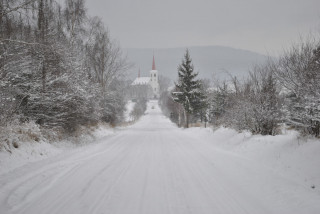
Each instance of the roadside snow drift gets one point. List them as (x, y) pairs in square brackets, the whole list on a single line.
[(154, 167)]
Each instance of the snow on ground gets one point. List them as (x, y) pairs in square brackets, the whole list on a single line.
[(155, 167), (287, 154), (27, 152), (30, 151), (129, 109)]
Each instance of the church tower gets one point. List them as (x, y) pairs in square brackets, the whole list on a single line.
[(154, 80)]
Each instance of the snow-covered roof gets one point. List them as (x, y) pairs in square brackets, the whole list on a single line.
[(141, 81)]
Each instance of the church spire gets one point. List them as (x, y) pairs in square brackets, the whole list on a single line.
[(153, 64), (139, 72)]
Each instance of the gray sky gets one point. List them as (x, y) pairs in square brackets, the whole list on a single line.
[(264, 26)]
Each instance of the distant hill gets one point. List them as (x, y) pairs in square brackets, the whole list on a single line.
[(207, 60)]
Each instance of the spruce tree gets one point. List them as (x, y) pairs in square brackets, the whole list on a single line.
[(188, 90)]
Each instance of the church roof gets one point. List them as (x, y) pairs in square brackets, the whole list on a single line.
[(141, 81)]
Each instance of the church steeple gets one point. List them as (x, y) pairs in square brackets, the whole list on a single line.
[(153, 64), (139, 73)]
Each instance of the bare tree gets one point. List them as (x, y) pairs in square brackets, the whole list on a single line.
[(75, 16), (105, 56)]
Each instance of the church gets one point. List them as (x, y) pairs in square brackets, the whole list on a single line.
[(146, 87)]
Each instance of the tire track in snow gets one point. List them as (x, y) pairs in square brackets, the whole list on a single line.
[(104, 200), (34, 184)]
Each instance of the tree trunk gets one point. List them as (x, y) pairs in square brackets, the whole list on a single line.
[(44, 74), (179, 117), (187, 119)]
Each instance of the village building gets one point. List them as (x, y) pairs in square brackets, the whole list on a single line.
[(146, 87)]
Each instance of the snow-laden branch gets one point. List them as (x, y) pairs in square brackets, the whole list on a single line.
[(10, 10), (21, 42)]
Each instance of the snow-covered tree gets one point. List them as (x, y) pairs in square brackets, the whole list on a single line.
[(218, 102), (265, 100), (299, 73), (105, 66), (45, 72), (188, 89), (252, 105)]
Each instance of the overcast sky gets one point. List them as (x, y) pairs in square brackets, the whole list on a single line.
[(264, 26)]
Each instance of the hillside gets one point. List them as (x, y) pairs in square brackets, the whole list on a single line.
[(207, 60)]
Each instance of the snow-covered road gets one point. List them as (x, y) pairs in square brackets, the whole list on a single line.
[(153, 167)]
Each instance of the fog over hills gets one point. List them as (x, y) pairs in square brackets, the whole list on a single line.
[(207, 60)]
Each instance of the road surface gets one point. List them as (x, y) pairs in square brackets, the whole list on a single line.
[(152, 167)]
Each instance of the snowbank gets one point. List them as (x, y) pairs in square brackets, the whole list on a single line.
[(26, 144), (288, 154)]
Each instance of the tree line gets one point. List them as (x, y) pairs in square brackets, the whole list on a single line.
[(282, 92), (59, 67)]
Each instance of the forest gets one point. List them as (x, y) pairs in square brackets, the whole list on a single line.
[(59, 67), (282, 93)]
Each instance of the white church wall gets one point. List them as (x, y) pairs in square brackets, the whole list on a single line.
[(147, 87)]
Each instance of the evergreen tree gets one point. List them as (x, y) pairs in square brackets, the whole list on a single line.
[(188, 90)]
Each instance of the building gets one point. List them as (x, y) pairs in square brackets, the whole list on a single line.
[(146, 87)]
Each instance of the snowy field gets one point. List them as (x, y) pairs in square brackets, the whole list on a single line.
[(154, 167)]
